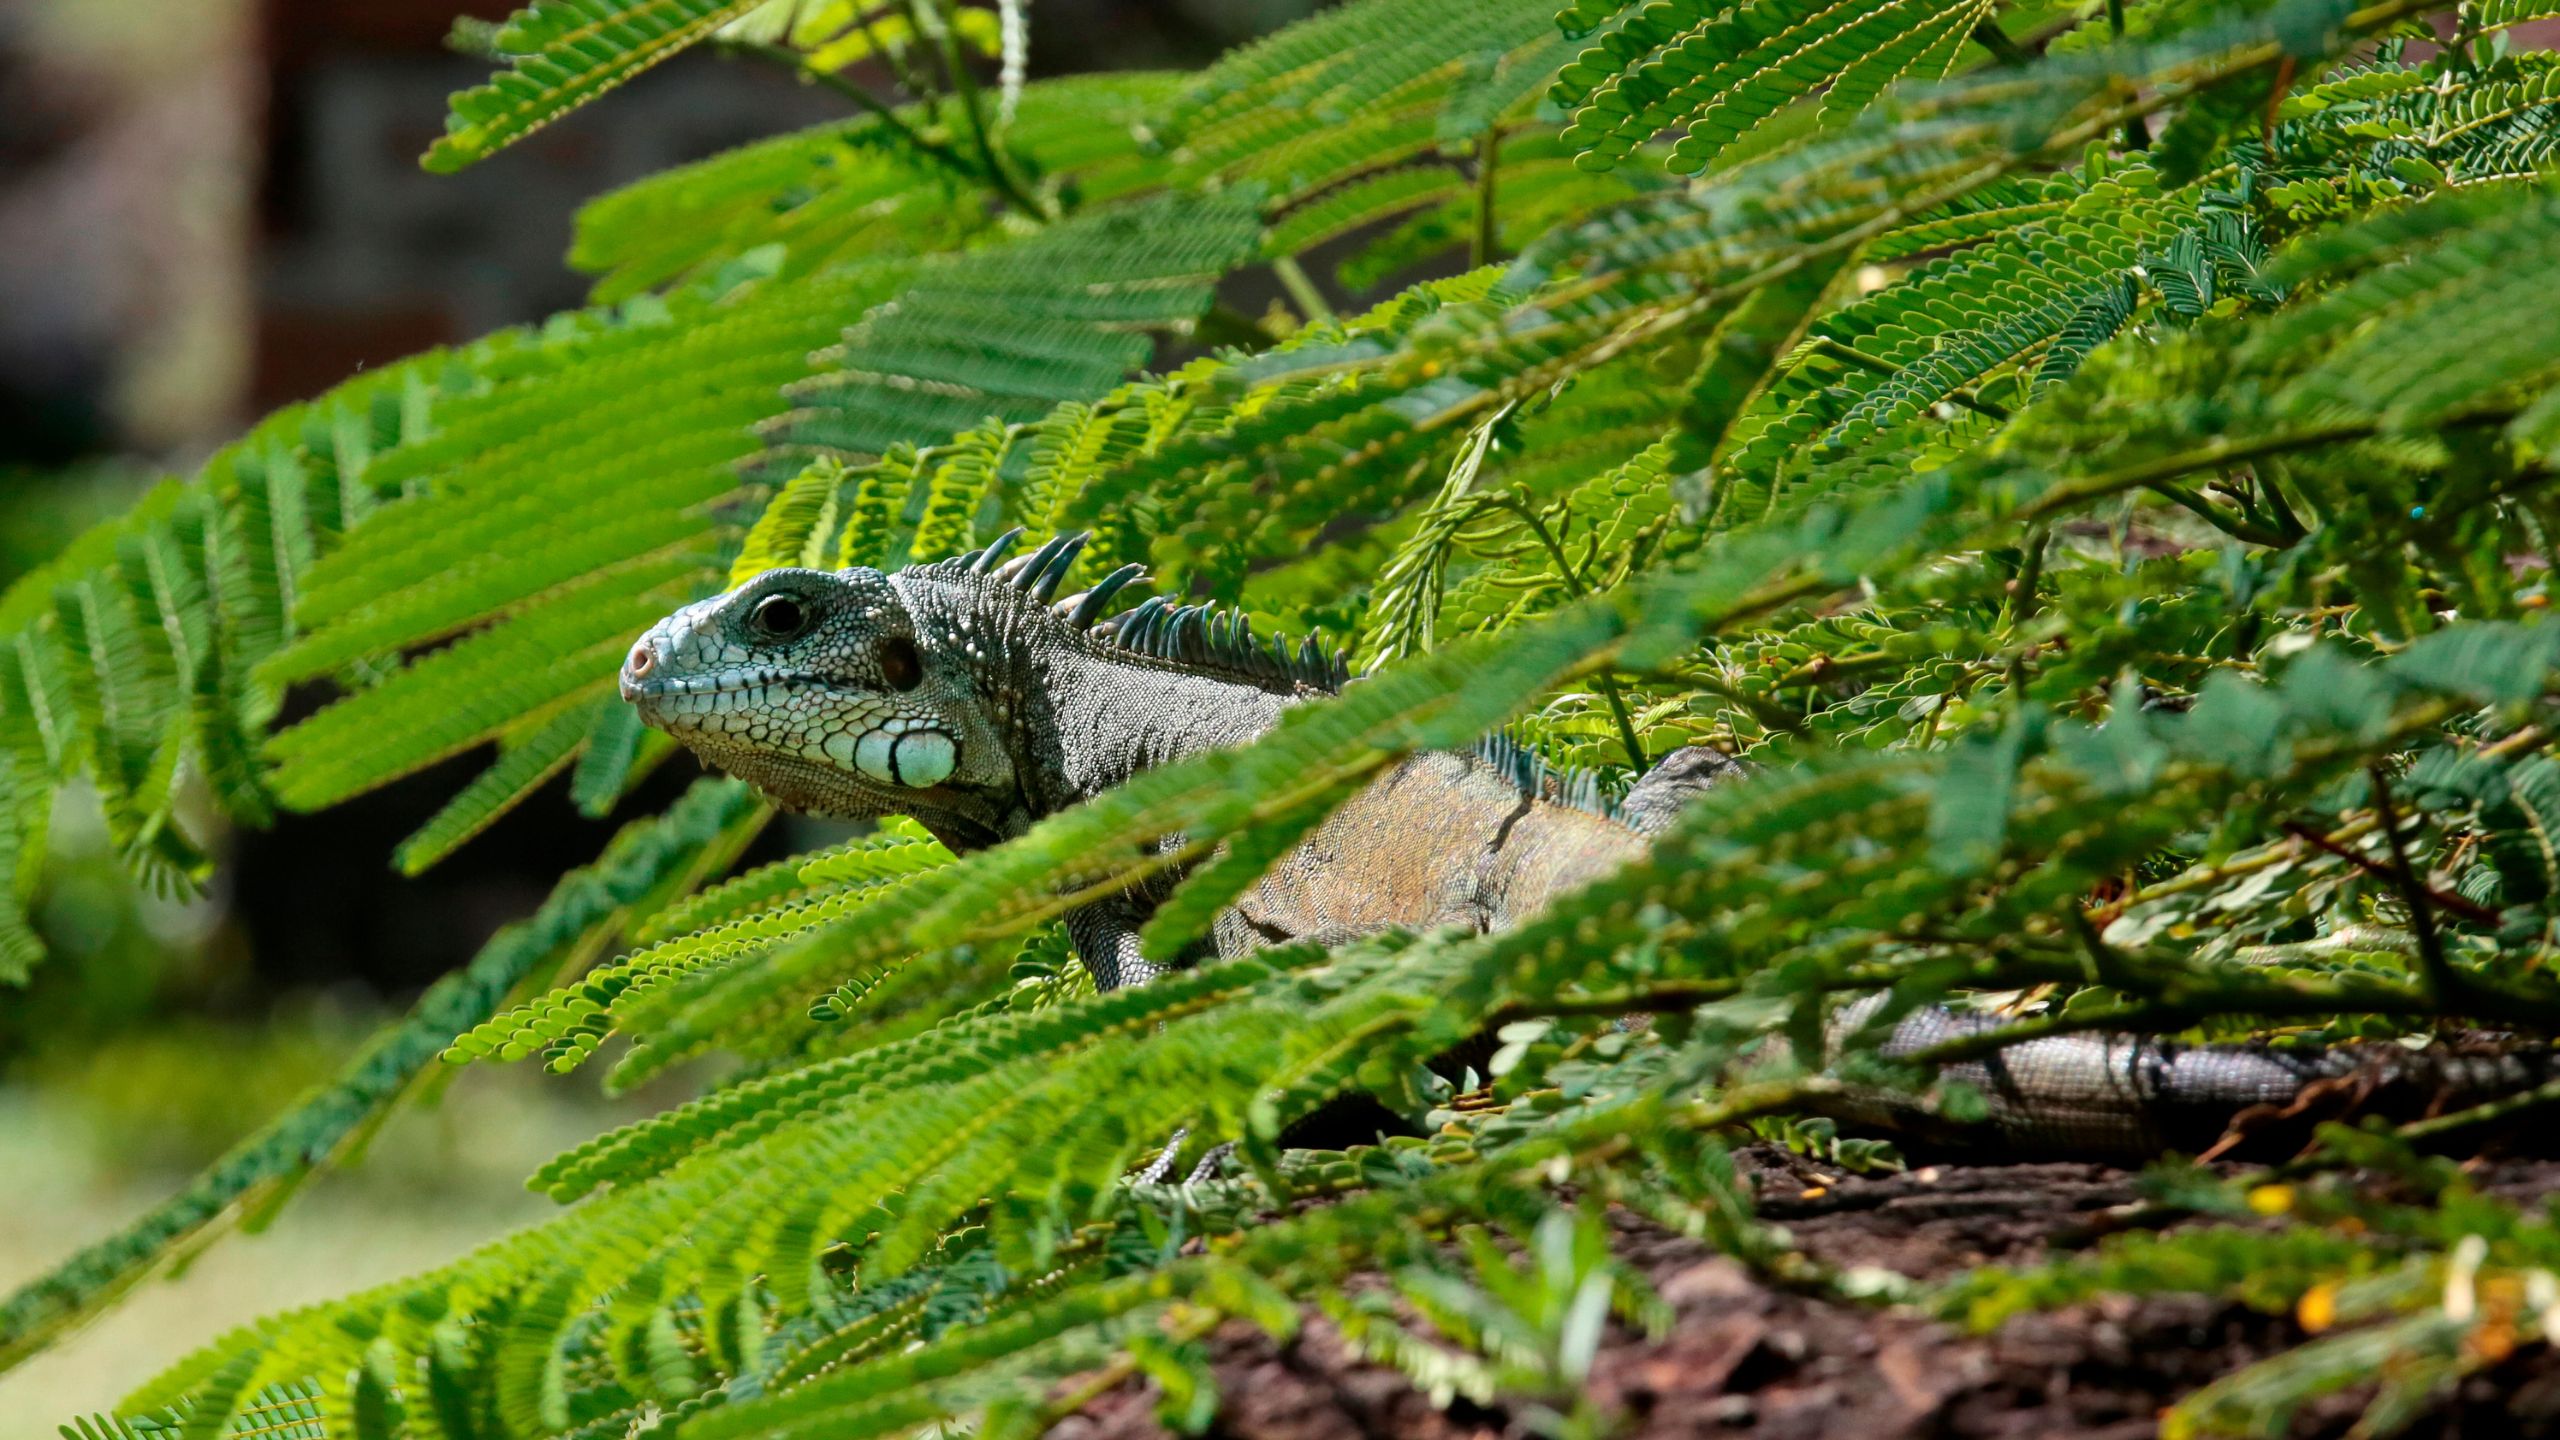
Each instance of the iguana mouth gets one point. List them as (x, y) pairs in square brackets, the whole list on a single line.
[(704, 687)]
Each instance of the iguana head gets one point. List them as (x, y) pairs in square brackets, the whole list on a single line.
[(854, 693), (818, 688)]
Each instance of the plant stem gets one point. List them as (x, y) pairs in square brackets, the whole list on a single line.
[(2023, 599), (1896, 212), (1771, 716), (2476, 914), (918, 82), (1183, 1325), (1991, 37), (2251, 862), (2137, 130), (2434, 971), (2271, 494), (895, 58), (2221, 452), (1604, 678), (2021, 606), (1825, 345), (2149, 1016), (907, 134), (1659, 998), (1310, 300), (2105, 965), (2438, 1126), (965, 85), (2178, 1007), (1832, 667), (2212, 514)]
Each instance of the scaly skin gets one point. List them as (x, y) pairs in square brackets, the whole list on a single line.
[(957, 693), (2129, 1097)]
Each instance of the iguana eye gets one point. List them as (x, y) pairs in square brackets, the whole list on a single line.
[(778, 617), (900, 665)]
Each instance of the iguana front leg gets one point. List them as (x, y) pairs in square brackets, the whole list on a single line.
[(1105, 934)]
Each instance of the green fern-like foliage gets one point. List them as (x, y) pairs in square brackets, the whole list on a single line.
[(832, 194), (2090, 461), (1008, 332), (644, 867), (563, 53), (1722, 71), (133, 658)]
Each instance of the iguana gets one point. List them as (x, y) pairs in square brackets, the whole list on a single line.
[(963, 693)]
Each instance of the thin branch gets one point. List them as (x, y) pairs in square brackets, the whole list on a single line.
[(2434, 970), (2023, 601), (1837, 350), (965, 84), (2247, 863), (2213, 515), (2145, 1017), (1745, 1103), (1488, 165), (2137, 130), (2475, 913), (1772, 716), (1309, 300), (1822, 669), (2505, 1106), (895, 57), (793, 61), (1661, 997), (2262, 503), (2222, 451), (2063, 142), (2021, 604), (2105, 965), (2185, 1001), (1187, 1322), (1991, 37), (1223, 324), (2275, 102), (1605, 679), (919, 82)]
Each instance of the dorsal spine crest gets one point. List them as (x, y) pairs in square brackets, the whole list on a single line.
[(1206, 638), (1202, 637), (1540, 778)]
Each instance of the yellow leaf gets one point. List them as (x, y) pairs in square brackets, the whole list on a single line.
[(890, 31), (2271, 1199), (2319, 1307)]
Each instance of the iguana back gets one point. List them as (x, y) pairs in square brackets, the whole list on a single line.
[(965, 694)]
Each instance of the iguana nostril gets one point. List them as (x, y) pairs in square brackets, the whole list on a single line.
[(636, 667)]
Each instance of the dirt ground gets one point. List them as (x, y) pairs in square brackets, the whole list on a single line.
[(1746, 1360)]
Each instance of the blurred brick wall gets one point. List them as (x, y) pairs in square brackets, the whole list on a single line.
[(212, 207), (127, 143), (367, 257)]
